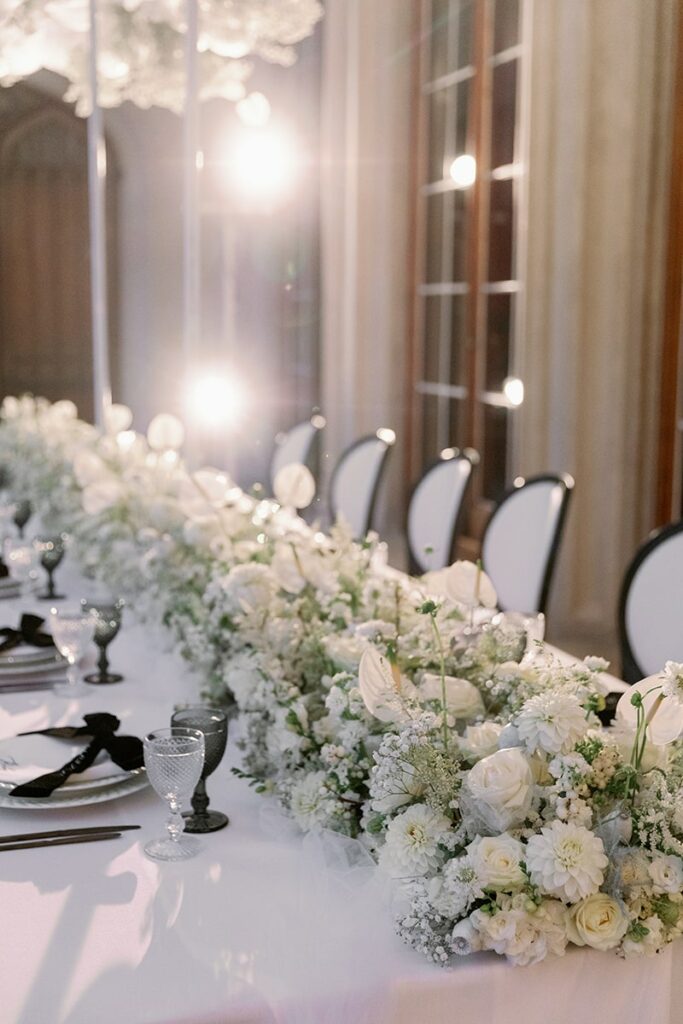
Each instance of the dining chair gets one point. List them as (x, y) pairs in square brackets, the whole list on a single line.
[(294, 445), (434, 509), (651, 605), (356, 478), (522, 539)]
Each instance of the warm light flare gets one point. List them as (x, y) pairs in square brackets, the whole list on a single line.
[(262, 165), (216, 399)]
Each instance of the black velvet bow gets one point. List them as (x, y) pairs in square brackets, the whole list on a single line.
[(4, 571), (29, 632), (125, 751)]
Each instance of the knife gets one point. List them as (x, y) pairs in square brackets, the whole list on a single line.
[(56, 833)]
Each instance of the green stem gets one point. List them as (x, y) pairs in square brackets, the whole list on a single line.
[(442, 669)]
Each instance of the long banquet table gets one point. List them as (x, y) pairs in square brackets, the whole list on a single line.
[(259, 927)]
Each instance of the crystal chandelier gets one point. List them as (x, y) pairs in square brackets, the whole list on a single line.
[(141, 45)]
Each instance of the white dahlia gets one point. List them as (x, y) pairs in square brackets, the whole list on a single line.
[(567, 861), (412, 842), (551, 722)]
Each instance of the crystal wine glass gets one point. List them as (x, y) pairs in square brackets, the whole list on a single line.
[(22, 514), (107, 624), (213, 724), (52, 551), (72, 631), (22, 558), (174, 759)]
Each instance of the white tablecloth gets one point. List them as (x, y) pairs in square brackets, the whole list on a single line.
[(256, 928)]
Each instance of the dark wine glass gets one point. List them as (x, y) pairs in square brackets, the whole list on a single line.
[(107, 624), (22, 514), (52, 551), (213, 723)]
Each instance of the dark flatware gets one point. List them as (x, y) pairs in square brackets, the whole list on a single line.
[(100, 837), (27, 687), (58, 832)]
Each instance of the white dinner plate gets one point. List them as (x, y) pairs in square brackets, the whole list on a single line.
[(23, 758), (65, 796), (31, 668), (25, 655)]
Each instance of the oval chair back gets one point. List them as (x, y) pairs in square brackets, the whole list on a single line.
[(294, 445), (355, 480), (434, 510), (651, 605), (522, 539)]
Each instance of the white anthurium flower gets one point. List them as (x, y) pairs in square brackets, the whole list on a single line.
[(666, 724), (117, 417), (379, 689), (88, 467), (294, 486), (165, 433), (468, 584), (463, 699), (102, 495), (204, 492)]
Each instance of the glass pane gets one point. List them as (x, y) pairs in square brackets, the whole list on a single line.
[(495, 448), (438, 103), (459, 340), (438, 63), (500, 231), (506, 25), (465, 54), (432, 322), (462, 116), (503, 114), (457, 427), (438, 206), (430, 418), (499, 322)]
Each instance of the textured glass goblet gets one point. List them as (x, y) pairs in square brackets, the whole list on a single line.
[(22, 514), (72, 630), (174, 759), (51, 550), (213, 724), (22, 558), (107, 624)]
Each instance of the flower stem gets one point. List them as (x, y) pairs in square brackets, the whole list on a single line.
[(442, 670)]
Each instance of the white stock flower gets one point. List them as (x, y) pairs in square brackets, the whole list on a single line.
[(597, 921), (524, 934), (567, 861), (501, 786), (666, 874), (463, 700), (412, 842), (551, 722), (479, 741), (497, 862)]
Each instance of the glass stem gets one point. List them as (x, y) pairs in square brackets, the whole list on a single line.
[(50, 583), (175, 824), (72, 674), (103, 661), (200, 800)]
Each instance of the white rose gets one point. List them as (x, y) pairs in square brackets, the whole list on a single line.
[(502, 787), (496, 859), (480, 740), (666, 874), (463, 700), (597, 921)]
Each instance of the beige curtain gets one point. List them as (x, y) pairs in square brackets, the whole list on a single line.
[(599, 159)]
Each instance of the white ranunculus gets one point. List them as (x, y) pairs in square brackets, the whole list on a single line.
[(165, 433), (567, 861), (465, 583), (597, 921), (501, 786), (479, 741), (412, 846), (497, 861), (99, 496), (294, 486), (667, 722), (463, 700), (378, 687), (666, 873)]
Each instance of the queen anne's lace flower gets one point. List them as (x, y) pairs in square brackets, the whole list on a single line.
[(551, 722), (567, 861), (412, 842)]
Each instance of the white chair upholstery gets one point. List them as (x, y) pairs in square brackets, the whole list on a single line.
[(433, 512), (354, 482), (521, 541), (651, 609), (294, 445)]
